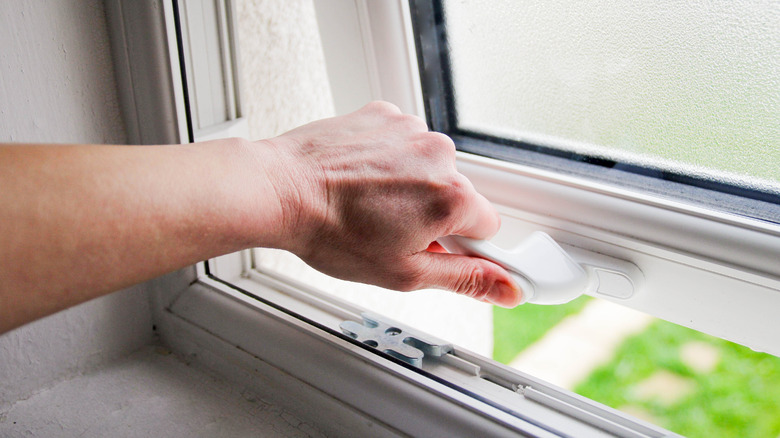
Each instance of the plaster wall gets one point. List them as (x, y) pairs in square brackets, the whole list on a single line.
[(57, 85), (284, 83)]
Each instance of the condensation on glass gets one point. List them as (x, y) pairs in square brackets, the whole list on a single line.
[(689, 87)]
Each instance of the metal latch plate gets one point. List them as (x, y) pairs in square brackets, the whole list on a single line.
[(395, 340)]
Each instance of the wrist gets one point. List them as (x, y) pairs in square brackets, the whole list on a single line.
[(282, 188)]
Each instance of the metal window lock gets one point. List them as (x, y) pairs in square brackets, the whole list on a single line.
[(395, 340), (549, 274)]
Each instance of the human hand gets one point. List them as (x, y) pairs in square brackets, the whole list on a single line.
[(366, 195)]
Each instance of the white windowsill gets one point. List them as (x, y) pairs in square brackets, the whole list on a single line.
[(341, 380)]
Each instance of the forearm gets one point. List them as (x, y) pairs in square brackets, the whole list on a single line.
[(81, 221), (360, 197)]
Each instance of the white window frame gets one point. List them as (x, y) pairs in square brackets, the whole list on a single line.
[(716, 272), (204, 311)]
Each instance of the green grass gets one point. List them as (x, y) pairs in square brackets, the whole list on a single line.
[(739, 398), (515, 329)]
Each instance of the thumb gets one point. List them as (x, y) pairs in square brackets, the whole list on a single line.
[(471, 276)]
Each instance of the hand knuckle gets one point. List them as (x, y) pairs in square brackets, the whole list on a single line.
[(383, 107), (443, 141), (459, 182), (446, 201), (415, 122), (455, 190), (437, 144)]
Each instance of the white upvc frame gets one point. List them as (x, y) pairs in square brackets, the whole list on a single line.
[(715, 272), (358, 392), (210, 48)]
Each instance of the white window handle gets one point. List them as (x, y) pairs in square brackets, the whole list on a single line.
[(548, 274)]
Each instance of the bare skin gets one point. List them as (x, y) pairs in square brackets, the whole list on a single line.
[(360, 197)]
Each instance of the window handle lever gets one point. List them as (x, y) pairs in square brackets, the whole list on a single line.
[(549, 274)]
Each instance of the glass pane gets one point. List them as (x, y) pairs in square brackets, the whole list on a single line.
[(685, 381), (688, 87)]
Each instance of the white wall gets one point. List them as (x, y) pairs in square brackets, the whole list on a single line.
[(284, 83), (57, 85), (57, 80)]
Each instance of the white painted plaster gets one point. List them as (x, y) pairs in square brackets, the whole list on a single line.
[(56, 77), (284, 83)]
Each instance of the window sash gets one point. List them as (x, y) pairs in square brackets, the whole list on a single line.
[(713, 271), (439, 101)]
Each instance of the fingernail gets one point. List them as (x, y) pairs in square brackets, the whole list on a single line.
[(507, 295)]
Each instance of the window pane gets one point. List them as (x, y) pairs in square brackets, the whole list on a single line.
[(687, 87), (685, 381)]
